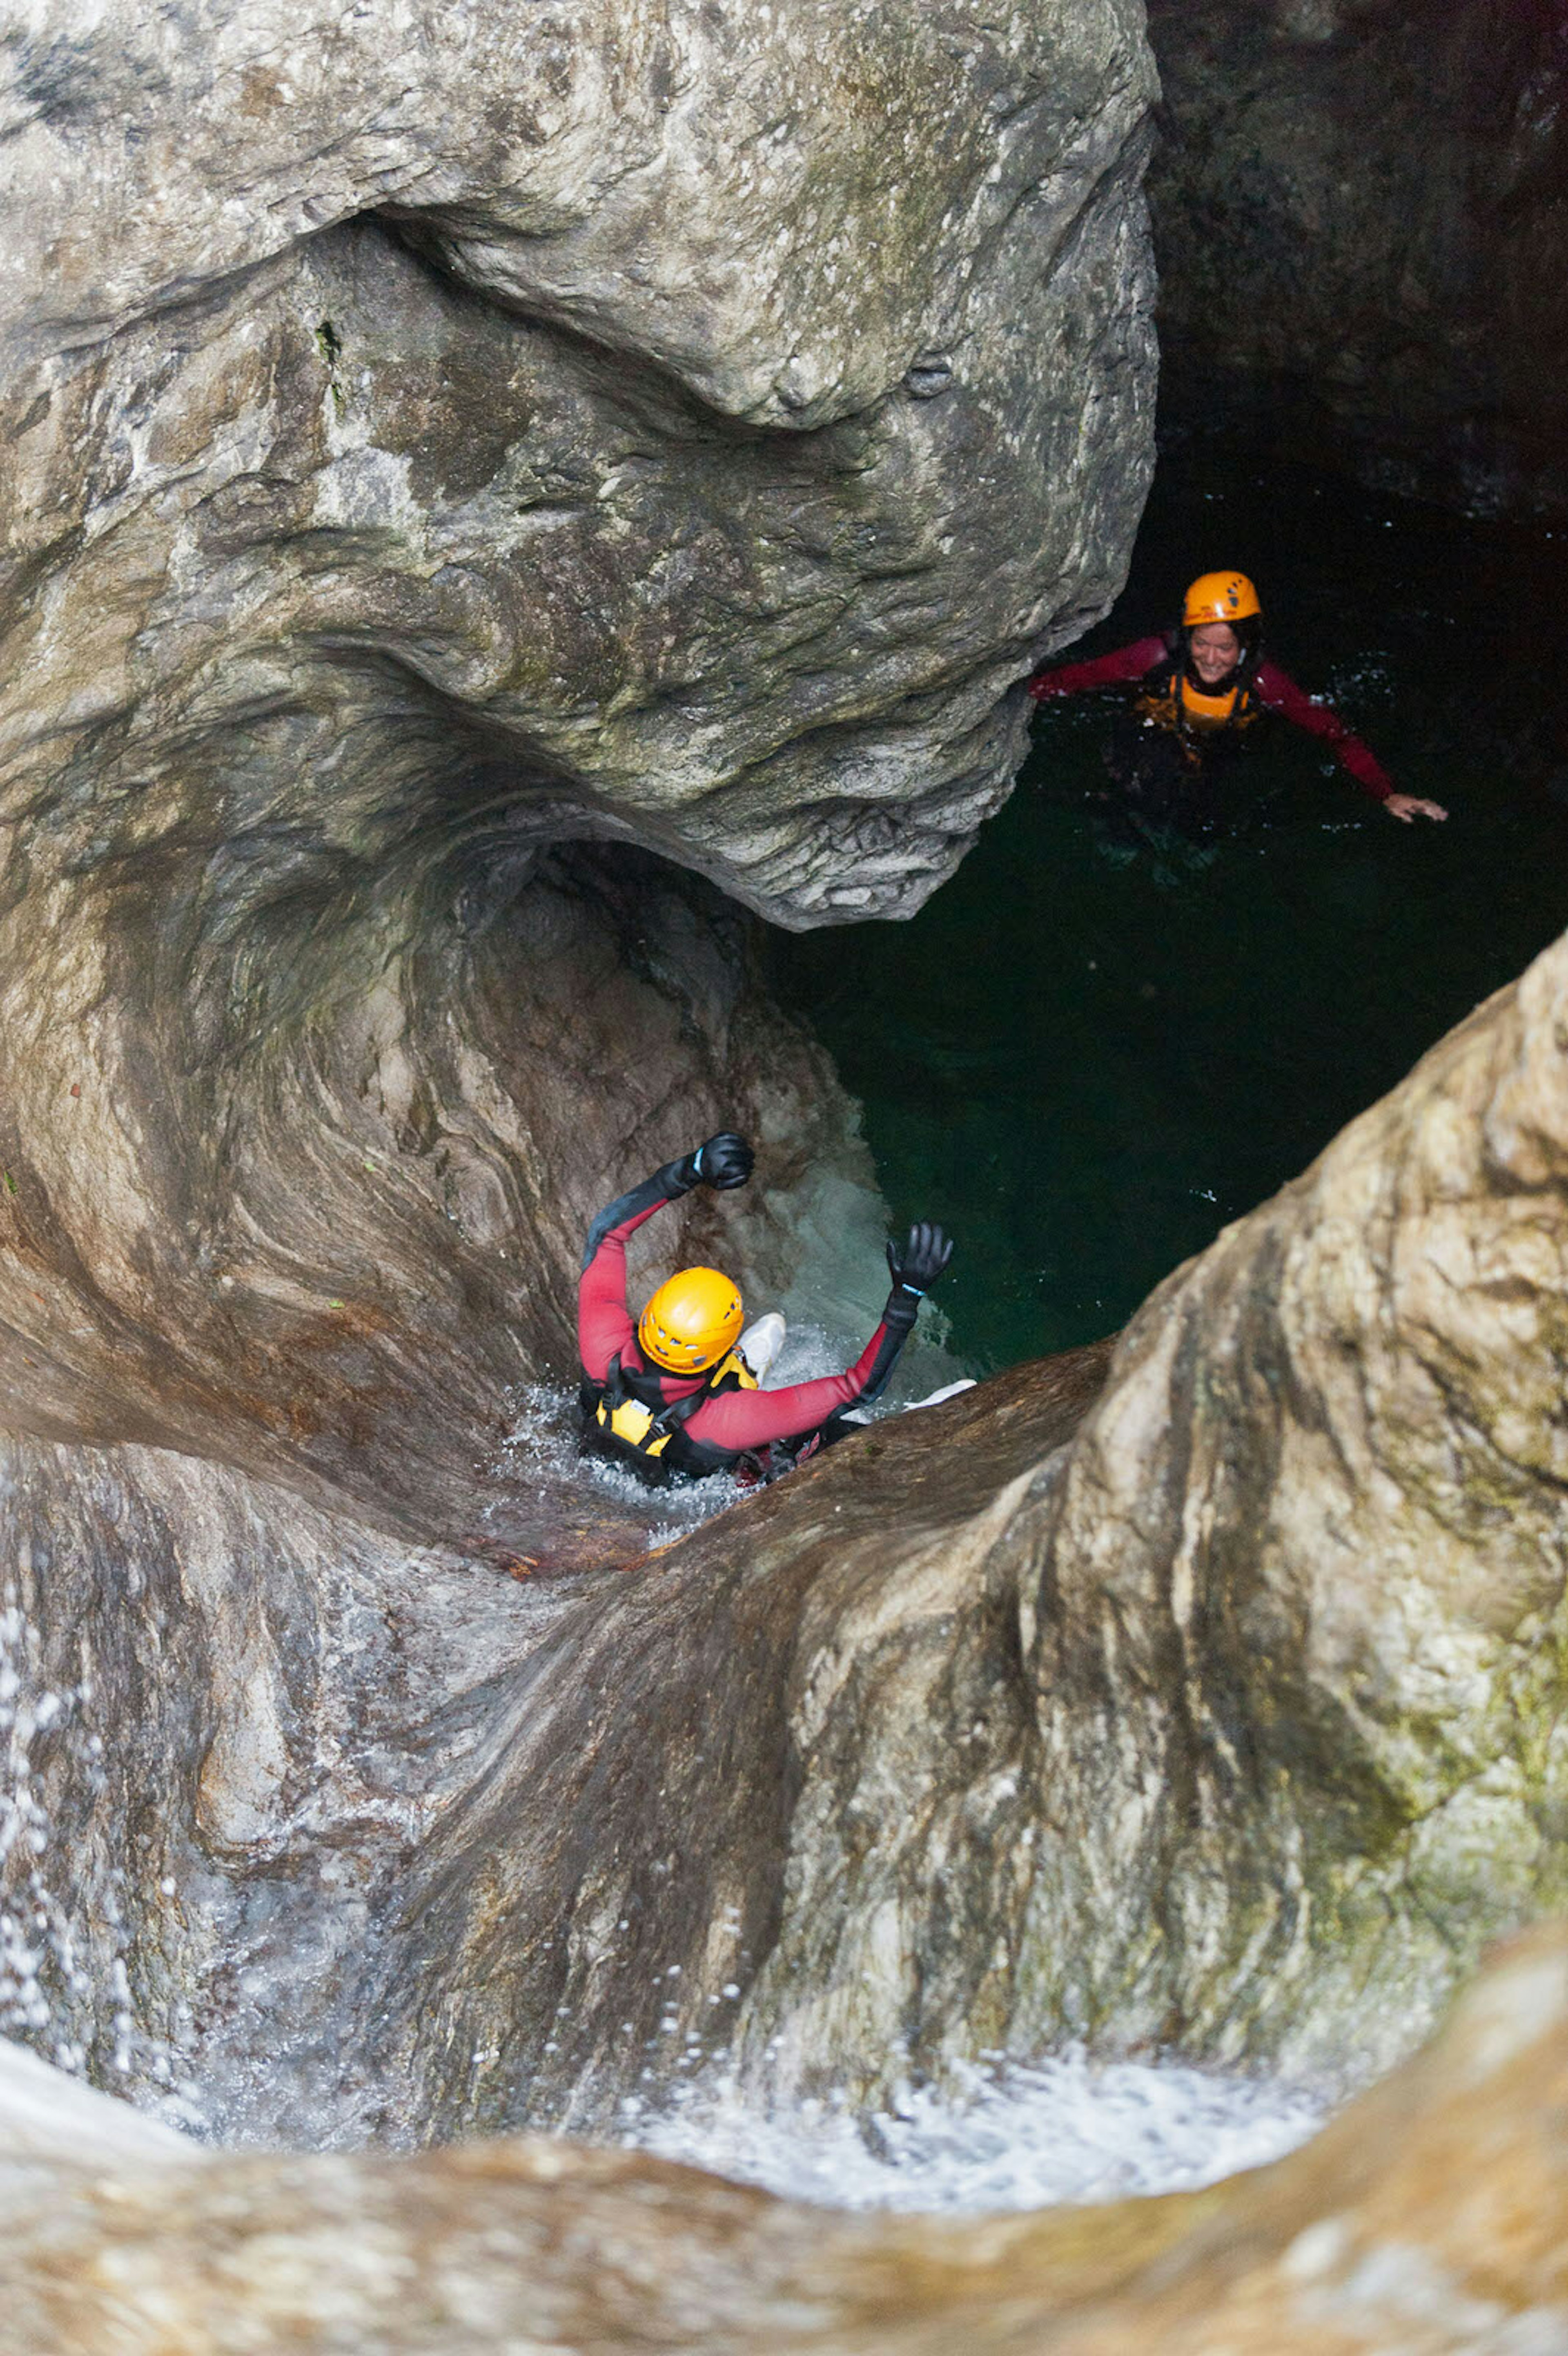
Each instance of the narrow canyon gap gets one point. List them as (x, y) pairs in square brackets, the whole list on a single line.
[(490, 506)]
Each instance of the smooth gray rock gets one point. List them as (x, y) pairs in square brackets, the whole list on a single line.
[(380, 600), (621, 483)]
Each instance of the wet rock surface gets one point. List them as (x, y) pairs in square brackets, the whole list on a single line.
[(1222, 1717), (1299, 1619), (325, 1838), (1360, 209), (1428, 2217)]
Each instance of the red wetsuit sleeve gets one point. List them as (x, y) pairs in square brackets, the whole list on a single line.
[(604, 1325), (1279, 692), (1118, 669), (738, 1419)]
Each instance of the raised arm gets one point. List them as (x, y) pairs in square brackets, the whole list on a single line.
[(1117, 669), (604, 1325), (750, 1419)]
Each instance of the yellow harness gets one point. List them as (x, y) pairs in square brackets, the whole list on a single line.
[(646, 1430)]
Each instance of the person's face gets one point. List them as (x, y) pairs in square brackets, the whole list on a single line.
[(1215, 648)]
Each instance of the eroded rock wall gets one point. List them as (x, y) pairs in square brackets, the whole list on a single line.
[(1222, 1716), (432, 438), (1302, 1619), (1362, 210), (1285, 1742)]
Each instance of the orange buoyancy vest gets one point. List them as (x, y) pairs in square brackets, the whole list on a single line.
[(1171, 699)]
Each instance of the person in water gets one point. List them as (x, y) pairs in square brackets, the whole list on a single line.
[(1197, 694), (676, 1393)]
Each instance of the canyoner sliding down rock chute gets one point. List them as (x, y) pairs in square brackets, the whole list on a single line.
[(499, 510), (674, 1394), (460, 495)]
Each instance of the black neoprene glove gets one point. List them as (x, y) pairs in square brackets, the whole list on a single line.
[(915, 1266), (725, 1161)]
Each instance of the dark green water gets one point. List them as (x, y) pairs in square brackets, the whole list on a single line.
[(1087, 1064)]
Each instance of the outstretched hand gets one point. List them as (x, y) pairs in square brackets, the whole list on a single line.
[(724, 1161), (917, 1263), (1409, 806)]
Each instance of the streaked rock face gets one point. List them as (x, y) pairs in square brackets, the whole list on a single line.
[(1300, 1620), (1220, 1715), (1361, 209), (1429, 2215)]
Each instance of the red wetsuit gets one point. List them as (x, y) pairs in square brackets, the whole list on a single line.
[(734, 1422), (1276, 689)]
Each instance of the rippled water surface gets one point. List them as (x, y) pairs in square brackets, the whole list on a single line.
[(1086, 1062)]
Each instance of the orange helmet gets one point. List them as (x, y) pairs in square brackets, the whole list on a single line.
[(690, 1322), (1219, 597)]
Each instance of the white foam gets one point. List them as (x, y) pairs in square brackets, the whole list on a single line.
[(545, 1448), (1066, 2130), (544, 1445)]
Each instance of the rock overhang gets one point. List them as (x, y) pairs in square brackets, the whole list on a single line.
[(725, 468)]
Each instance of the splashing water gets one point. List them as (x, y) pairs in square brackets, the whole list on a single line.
[(34, 1923), (544, 1448), (1066, 2130), (1005, 2137), (46, 1975)]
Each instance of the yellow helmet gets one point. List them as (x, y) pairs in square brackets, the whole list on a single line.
[(1219, 597), (690, 1322)]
